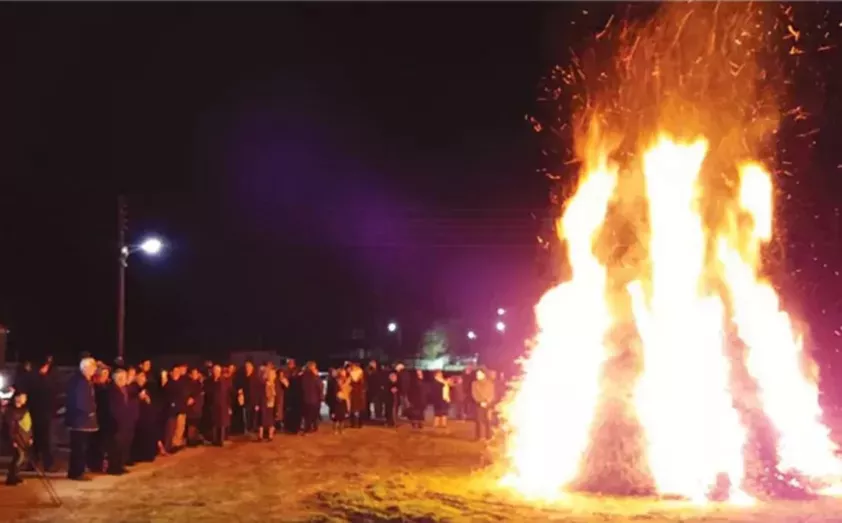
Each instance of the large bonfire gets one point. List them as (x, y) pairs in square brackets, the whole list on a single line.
[(665, 364)]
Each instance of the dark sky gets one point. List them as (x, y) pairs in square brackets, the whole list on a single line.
[(313, 166)]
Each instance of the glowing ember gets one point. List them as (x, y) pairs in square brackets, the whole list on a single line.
[(717, 351)]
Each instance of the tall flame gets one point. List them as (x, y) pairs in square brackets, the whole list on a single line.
[(715, 341)]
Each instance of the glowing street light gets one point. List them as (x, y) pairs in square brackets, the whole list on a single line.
[(472, 335), (151, 246), (392, 327), (501, 327), (501, 311)]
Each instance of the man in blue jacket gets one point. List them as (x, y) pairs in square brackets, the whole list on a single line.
[(80, 417)]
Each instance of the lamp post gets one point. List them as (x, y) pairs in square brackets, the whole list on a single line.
[(150, 246), (395, 329)]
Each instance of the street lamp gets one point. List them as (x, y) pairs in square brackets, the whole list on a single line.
[(501, 311), (501, 327), (150, 246), (393, 328), (472, 335)]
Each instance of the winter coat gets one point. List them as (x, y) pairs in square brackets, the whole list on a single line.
[(80, 406)]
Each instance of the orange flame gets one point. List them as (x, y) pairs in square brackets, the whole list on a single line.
[(699, 292)]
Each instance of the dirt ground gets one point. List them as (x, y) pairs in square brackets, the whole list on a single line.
[(372, 474)]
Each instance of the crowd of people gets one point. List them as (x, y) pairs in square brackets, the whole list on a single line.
[(120, 415)]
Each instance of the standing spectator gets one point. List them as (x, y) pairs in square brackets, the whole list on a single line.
[(330, 393), (119, 428), (99, 441), (280, 407), (196, 393), (147, 431), (341, 400), (404, 379), (178, 399), (357, 399), (374, 392), (292, 401), (41, 398), (80, 417), (482, 391), (134, 412), (499, 381), (457, 397), (268, 405), (218, 397), (392, 393), (251, 387), (18, 424), (467, 388), (441, 400), (311, 397), (417, 398)]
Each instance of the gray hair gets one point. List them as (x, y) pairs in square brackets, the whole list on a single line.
[(85, 362)]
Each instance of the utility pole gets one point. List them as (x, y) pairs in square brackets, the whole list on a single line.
[(122, 261)]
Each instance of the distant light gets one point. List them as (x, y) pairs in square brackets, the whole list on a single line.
[(2, 382), (472, 335), (501, 327), (392, 327), (152, 246), (501, 311)]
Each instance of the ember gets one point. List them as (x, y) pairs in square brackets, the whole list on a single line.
[(670, 179)]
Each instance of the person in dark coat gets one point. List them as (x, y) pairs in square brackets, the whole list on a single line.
[(470, 406), (41, 401), (392, 392), (18, 425), (80, 417), (330, 393), (146, 433), (440, 396), (218, 397), (292, 400), (237, 401), (457, 397), (134, 412), (417, 398), (404, 379), (249, 384), (120, 424), (311, 397), (99, 440), (196, 392), (178, 399), (280, 408), (374, 392), (342, 397), (357, 401)]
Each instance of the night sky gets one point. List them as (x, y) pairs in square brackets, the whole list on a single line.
[(314, 167)]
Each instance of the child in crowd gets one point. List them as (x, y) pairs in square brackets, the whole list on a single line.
[(18, 425)]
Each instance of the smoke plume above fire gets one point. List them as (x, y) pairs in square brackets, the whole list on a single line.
[(666, 363)]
